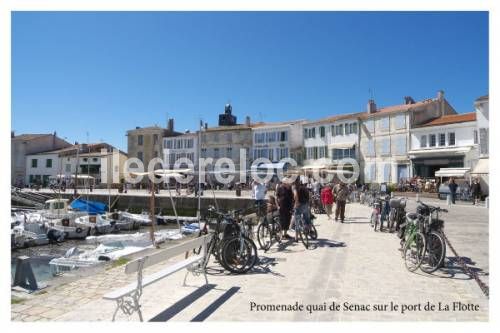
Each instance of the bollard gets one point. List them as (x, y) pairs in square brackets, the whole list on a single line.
[(487, 202), (24, 274), (417, 197), (448, 199)]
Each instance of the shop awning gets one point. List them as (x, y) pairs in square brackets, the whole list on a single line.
[(343, 145), (482, 167), (439, 151), (277, 165), (452, 172)]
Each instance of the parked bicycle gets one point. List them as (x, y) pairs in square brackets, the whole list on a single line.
[(231, 245), (304, 231), (268, 230), (435, 249), (413, 241), (397, 213)]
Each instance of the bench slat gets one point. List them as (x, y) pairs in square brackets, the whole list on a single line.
[(168, 253), (147, 280)]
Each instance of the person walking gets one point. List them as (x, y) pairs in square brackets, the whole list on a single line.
[(284, 196), (259, 190), (327, 199), (453, 189), (301, 204), (476, 191), (341, 193)]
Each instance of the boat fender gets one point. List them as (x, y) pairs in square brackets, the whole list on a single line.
[(79, 230), (65, 222), (103, 258)]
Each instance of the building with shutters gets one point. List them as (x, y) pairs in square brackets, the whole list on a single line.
[(276, 141), (385, 136), (329, 140), (444, 142)]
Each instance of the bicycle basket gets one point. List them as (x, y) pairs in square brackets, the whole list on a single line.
[(229, 228), (423, 210), (437, 224)]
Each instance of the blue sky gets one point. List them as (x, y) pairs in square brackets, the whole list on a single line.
[(104, 73)]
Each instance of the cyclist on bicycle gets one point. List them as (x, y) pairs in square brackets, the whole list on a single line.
[(301, 203)]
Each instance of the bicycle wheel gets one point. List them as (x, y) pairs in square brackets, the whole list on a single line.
[(277, 231), (435, 251), (303, 234), (239, 254), (313, 232), (414, 251), (264, 236)]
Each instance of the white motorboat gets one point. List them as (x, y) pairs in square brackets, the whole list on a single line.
[(99, 224), (143, 218), (56, 216), (124, 222)]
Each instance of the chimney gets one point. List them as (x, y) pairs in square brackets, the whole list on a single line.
[(206, 125), (54, 140), (371, 107), (247, 120), (409, 100), (440, 95), (170, 124)]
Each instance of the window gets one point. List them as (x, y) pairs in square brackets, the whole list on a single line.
[(34, 163), (387, 173), (341, 129), (400, 145), (385, 146), (229, 152), (94, 159), (203, 152), (322, 131), (155, 154), (216, 152), (355, 128), (155, 139), (332, 130), (400, 121), (68, 167), (370, 148), (140, 140), (475, 137), (169, 144), (370, 126), (85, 159), (338, 154), (451, 139), (483, 141), (432, 140), (48, 163), (369, 172), (283, 136), (347, 129), (323, 152), (383, 124), (423, 141), (442, 139), (139, 155)]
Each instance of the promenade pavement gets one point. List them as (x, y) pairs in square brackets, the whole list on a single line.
[(350, 273)]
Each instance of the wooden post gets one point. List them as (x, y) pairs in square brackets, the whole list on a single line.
[(152, 212)]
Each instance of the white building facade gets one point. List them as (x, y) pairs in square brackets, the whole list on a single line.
[(330, 140), (184, 146), (277, 141), (446, 142)]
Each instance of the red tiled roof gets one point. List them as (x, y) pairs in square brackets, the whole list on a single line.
[(27, 137), (398, 108), (451, 119), (336, 118)]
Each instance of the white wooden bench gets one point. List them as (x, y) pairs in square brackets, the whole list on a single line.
[(127, 298)]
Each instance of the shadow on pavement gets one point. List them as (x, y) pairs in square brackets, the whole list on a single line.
[(215, 304), (180, 305), (322, 242), (264, 265)]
